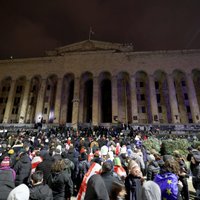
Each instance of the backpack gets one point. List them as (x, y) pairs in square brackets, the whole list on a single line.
[(83, 168), (168, 183)]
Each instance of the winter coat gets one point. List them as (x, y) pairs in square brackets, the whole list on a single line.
[(150, 191), (45, 166), (69, 166), (109, 178), (41, 192), (61, 185), (73, 156), (152, 170), (22, 169), (133, 187), (21, 192), (7, 182), (96, 189), (196, 176)]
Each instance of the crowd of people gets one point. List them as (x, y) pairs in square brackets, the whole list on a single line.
[(92, 164)]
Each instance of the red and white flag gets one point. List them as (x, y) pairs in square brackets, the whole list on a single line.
[(94, 169)]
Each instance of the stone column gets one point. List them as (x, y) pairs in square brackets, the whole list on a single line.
[(95, 102), (114, 99), (58, 101), (23, 111), (40, 102), (76, 100), (193, 99), (173, 99), (153, 99), (9, 102), (134, 106)]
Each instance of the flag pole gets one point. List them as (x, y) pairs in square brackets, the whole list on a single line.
[(90, 33)]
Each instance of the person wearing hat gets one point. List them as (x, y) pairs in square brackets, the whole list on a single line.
[(12, 155), (118, 169), (153, 168), (22, 168), (7, 178), (104, 152), (150, 191)]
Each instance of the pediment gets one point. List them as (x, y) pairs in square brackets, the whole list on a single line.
[(91, 45)]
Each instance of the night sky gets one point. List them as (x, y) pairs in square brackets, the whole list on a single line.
[(30, 27)]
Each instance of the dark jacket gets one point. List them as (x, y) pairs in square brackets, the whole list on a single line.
[(96, 189), (109, 178), (196, 176), (133, 187), (22, 169), (61, 185), (7, 182), (69, 166), (45, 166), (41, 192), (152, 170)]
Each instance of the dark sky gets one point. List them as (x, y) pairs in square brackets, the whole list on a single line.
[(30, 27)]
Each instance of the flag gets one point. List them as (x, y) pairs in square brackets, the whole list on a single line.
[(94, 169), (168, 183)]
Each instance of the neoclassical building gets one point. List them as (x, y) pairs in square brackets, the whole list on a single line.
[(101, 83)]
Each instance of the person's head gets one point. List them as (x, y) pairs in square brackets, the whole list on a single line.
[(5, 162), (118, 191), (195, 158), (107, 166), (134, 169), (150, 190), (58, 166), (172, 166), (37, 177), (21, 192), (117, 161)]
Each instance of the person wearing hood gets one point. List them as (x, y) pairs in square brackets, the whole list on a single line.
[(21, 192), (153, 167), (38, 190), (22, 168), (7, 178), (45, 166), (109, 176), (150, 191), (69, 165)]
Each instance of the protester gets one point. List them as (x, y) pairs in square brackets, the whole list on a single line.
[(96, 188), (21, 192), (168, 180), (133, 182), (39, 190), (7, 178), (60, 182), (150, 191), (22, 168), (109, 176), (45, 166)]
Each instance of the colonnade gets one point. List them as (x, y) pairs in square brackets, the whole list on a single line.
[(105, 98)]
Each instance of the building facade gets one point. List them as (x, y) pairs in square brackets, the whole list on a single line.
[(93, 82)]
